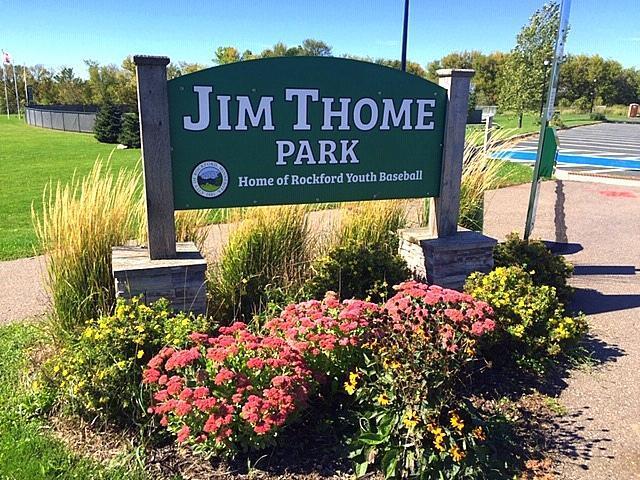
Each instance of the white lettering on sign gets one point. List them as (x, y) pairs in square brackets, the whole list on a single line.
[(373, 113), (203, 110), (305, 154), (246, 110), (343, 114), (389, 113), (423, 114), (301, 95)]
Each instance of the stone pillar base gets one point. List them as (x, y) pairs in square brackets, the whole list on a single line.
[(180, 280), (446, 261)]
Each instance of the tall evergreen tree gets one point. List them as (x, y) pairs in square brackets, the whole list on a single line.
[(108, 123)]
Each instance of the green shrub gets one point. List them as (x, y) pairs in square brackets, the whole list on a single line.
[(357, 270), (99, 373), (362, 261), (533, 326), (556, 121), (270, 246), (598, 117), (534, 257), (130, 133), (108, 123), (414, 424)]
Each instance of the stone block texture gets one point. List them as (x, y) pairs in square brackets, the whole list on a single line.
[(446, 261), (181, 280)]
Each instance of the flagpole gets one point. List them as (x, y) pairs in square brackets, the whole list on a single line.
[(4, 80), (26, 92), (15, 84)]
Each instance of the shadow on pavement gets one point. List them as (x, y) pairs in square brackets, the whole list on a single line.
[(592, 302), (563, 248), (605, 270)]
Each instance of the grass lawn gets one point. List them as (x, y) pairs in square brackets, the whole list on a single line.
[(27, 451), (29, 158), (530, 125)]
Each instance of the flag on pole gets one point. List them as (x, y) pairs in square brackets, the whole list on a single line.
[(6, 58)]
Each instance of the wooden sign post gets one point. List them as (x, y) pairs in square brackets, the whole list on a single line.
[(153, 105), (439, 253)]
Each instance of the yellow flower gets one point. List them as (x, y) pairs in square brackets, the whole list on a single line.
[(140, 353), (456, 453), (479, 434), (56, 368), (350, 389), (140, 328), (457, 422), (438, 436), (383, 399), (410, 419), (350, 386)]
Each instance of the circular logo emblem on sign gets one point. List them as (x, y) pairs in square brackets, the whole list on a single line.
[(210, 179)]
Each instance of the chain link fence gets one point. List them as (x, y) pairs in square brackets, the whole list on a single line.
[(67, 121)]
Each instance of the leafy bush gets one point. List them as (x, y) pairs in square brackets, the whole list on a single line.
[(556, 121), (357, 270), (414, 424), (76, 229), (533, 326), (108, 123), (598, 117), (99, 373), (130, 132), (534, 257), (363, 260), (269, 246)]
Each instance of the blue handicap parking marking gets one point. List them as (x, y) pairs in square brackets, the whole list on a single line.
[(523, 156)]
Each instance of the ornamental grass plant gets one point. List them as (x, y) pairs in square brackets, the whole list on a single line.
[(481, 171), (269, 247), (78, 224)]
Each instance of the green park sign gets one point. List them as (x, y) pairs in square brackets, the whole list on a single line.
[(303, 130)]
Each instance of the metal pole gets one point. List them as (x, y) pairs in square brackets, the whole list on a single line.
[(26, 93), (15, 85), (565, 7), (4, 79), (405, 28)]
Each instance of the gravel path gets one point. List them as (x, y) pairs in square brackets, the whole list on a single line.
[(22, 292), (600, 436)]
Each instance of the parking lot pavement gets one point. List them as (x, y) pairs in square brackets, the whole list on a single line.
[(604, 150)]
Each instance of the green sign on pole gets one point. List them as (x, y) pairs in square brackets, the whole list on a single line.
[(303, 130)]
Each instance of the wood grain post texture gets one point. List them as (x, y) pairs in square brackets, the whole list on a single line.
[(440, 254), (153, 107), (445, 209)]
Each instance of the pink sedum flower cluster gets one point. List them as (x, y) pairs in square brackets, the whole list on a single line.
[(236, 390)]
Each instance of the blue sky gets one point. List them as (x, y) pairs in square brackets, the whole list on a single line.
[(65, 32)]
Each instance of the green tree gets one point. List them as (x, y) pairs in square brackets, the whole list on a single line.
[(226, 55), (523, 75), (108, 123)]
